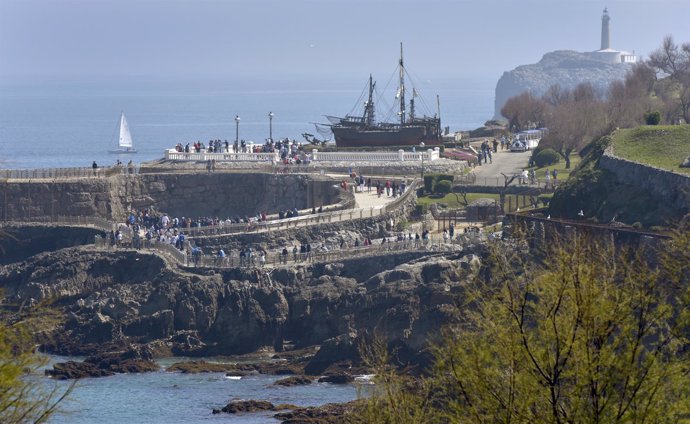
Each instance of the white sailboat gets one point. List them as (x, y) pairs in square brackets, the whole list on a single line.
[(125, 141)]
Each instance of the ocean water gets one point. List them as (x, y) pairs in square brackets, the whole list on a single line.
[(174, 398), (56, 123)]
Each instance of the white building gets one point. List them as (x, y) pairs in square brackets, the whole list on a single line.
[(606, 53)]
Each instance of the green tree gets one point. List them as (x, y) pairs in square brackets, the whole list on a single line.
[(24, 398), (584, 333), (673, 61), (574, 119)]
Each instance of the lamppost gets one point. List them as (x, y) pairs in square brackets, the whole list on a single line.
[(421, 154), (237, 129), (270, 126)]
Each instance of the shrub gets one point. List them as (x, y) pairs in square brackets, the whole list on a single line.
[(430, 181), (443, 187), (652, 118), (546, 157)]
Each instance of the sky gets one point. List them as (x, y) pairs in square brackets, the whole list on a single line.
[(326, 40)]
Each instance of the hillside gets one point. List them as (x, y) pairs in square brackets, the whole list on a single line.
[(635, 199), (664, 146), (565, 68)]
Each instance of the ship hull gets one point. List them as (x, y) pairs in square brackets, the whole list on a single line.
[(406, 136)]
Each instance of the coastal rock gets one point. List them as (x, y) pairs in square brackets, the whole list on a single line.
[(566, 68), (686, 163), (196, 367), (76, 370), (297, 380), (134, 360), (243, 406), (337, 379), (331, 413), (342, 348)]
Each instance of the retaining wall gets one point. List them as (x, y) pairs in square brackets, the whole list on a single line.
[(199, 194), (669, 187)]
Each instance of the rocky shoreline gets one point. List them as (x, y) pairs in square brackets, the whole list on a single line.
[(124, 309)]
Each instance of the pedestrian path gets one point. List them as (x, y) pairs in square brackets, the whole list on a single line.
[(369, 199), (503, 162)]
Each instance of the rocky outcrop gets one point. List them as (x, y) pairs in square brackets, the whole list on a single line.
[(112, 300), (23, 241), (566, 68), (296, 380), (330, 413), (134, 360), (244, 406)]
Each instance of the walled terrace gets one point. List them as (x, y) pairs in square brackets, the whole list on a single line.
[(191, 194)]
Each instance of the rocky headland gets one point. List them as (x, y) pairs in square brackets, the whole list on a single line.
[(566, 68)]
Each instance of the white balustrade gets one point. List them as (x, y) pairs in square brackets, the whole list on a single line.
[(316, 156), (172, 154), (396, 156)]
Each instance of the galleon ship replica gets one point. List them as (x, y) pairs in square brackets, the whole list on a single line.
[(410, 130)]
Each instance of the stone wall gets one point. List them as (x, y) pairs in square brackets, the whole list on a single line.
[(197, 194), (668, 187), (332, 233), (36, 201)]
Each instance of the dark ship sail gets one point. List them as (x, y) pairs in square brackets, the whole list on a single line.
[(364, 131)]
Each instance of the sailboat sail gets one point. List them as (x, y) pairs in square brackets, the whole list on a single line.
[(125, 135), (124, 143)]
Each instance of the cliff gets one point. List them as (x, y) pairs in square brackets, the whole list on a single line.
[(111, 300), (179, 194), (566, 68)]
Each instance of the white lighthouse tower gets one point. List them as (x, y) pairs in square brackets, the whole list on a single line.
[(605, 34), (606, 53)]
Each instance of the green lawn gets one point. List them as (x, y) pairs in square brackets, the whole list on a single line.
[(662, 146), (563, 173)]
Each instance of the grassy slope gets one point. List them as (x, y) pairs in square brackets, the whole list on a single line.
[(559, 166), (602, 198), (663, 146)]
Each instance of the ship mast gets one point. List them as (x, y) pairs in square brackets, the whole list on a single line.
[(369, 107), (401, 88)]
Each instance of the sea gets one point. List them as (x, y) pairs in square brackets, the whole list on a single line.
[(58, 123), (163, 397)]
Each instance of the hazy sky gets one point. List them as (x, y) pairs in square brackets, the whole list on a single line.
[(324, 39)]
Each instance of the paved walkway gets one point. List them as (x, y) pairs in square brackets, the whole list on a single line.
[(371, 200), (504, 162)]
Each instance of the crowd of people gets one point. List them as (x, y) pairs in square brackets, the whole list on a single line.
[(248, 256)]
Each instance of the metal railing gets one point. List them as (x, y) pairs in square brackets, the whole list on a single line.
[(500, 182), (54, 173), (96, 222), (303, 220), (287, 223), (141, 243), (276, 258)]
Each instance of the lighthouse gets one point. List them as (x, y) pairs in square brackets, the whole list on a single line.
[(606, 53), (605, 34)]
